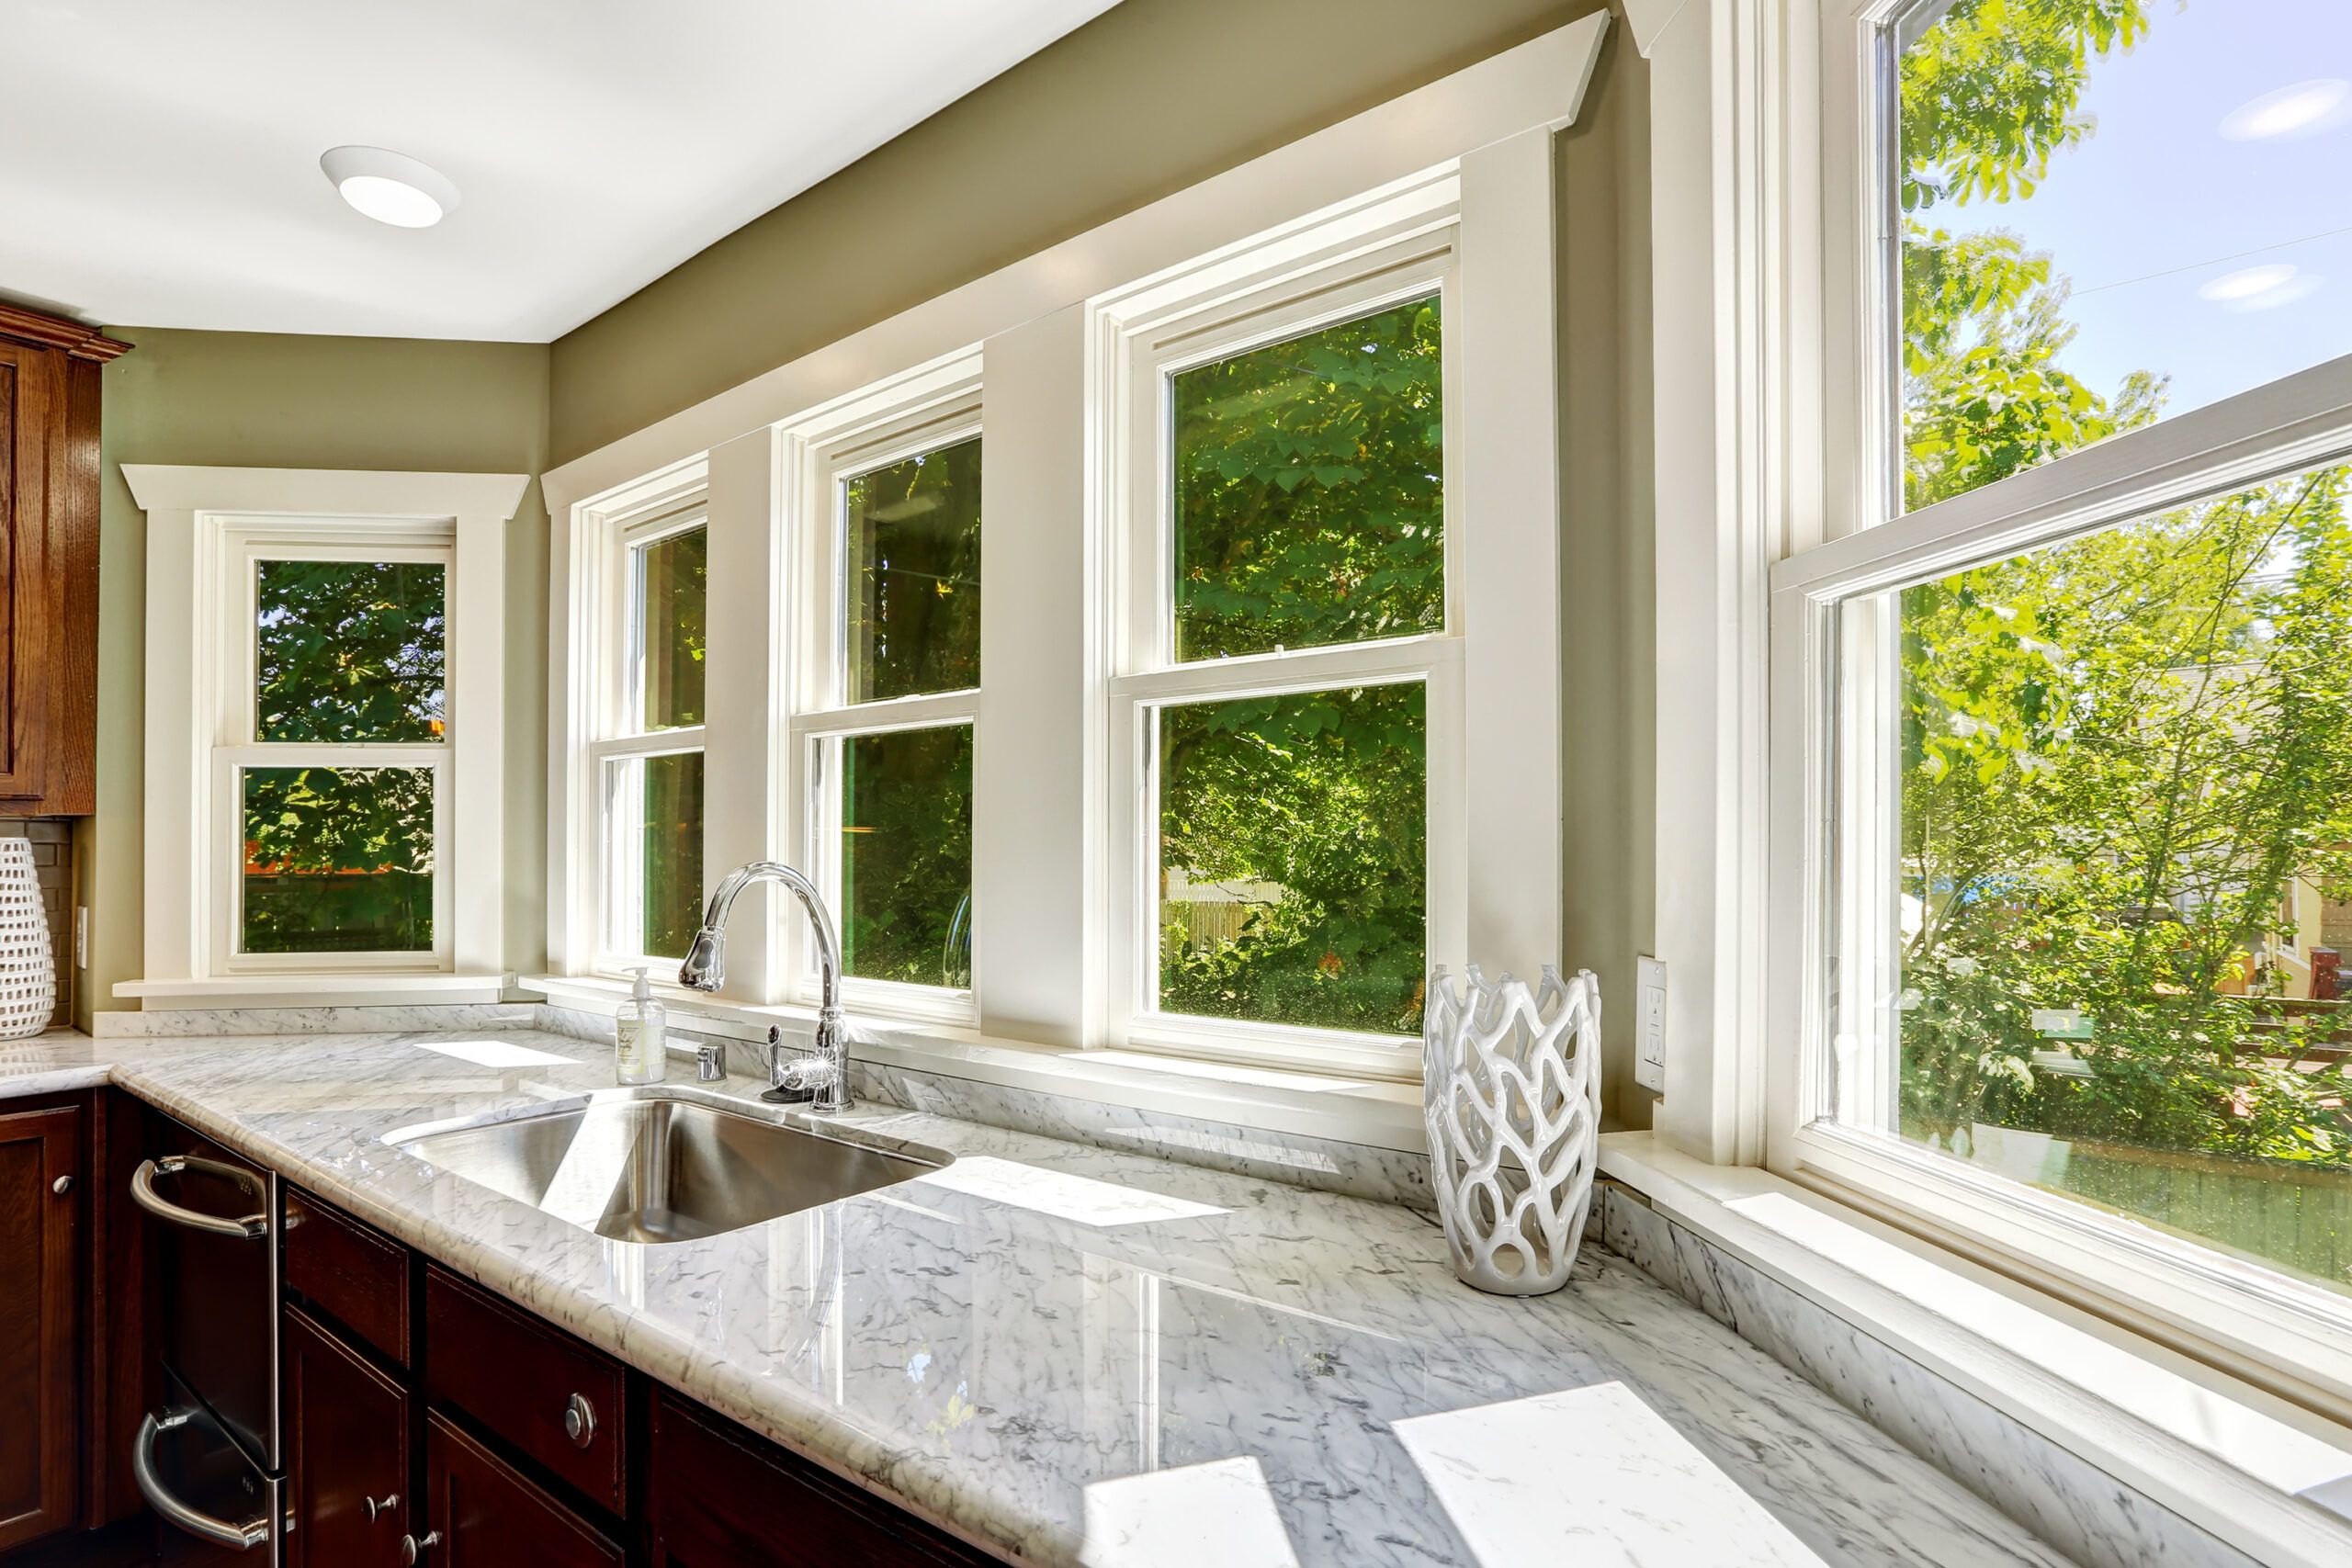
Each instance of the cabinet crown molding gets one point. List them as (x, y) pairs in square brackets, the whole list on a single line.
[(56, 332)]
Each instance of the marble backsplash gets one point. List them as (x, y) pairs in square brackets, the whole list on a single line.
[(1322, 1164)]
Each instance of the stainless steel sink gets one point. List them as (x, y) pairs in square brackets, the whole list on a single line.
[(655, 1165)]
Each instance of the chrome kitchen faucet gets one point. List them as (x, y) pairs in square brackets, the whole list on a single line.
[(826, 1071)]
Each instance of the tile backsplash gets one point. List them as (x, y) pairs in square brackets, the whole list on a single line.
[(53, 865)]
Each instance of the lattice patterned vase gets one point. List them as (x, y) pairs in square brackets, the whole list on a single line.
[(28, 967), (1510, 1094)]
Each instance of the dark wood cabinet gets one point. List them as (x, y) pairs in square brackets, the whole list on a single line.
[(40, 1322), (50, 371), (347, 1446), (717, 1496), (487, 1514)]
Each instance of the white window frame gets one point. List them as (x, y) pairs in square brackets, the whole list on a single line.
[(244, 544), (619, 683), (1401, 250), (931, 407), (207, 527), (1482, 139), (1833, 806)]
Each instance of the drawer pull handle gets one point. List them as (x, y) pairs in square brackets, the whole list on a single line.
[(61, 1186), (237, 1535), (411, 1548), (144, 1193), (579, 1421), (374, 1510)]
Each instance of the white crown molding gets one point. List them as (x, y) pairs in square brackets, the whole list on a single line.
[(323, 493), (1647, 19)]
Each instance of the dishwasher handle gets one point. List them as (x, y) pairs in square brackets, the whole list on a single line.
[(144, 1193), (236, 1537)]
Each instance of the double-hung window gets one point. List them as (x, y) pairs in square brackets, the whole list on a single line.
[(1189, 775), (332, 783), (650, 765), (2064, 722), (325, 734), (885, 519), (1286, 637)]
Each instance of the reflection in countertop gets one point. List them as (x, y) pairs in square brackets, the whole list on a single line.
[(1075, 1356)]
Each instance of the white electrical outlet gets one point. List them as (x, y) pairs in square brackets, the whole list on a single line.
[(80, 936), (1649, 1029)]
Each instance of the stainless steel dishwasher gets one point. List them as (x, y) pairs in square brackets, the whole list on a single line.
[(211, 1461)]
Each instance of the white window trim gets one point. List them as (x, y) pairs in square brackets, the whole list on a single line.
[(1771, 283), (933, 406), (200, 522), (619, 680), (2170, 1288), (1041, 754), (1402, 246)]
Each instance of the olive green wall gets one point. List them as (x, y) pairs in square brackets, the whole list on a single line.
[(1150, 98), (267, 400)]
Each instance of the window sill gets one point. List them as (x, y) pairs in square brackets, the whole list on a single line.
[(347, 989), (2249, 1468), (1352, 1110)]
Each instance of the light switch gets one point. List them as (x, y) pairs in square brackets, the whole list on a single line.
[(1649, 1058)]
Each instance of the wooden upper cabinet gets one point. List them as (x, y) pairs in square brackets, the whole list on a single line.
[(49, 387)]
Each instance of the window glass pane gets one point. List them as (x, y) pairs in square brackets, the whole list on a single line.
[(671, 595), (2111, 214), (337, 860), (912, 617), (1294, 835), (906, 855), (2124, 774), (1309, 490), (348, 650), (654, 809)]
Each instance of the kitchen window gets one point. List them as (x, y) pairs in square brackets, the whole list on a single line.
[(650, 764), (2059, 725), (879, 745), (1288, 667), (325, 734), (1112, 671)]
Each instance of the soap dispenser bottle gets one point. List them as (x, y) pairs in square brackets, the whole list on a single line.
[(638, 1032)]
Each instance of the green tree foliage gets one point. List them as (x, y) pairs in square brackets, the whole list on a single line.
[(1321, 796), (907, 855), (339, 859), (2118, 752), (1309, 511)]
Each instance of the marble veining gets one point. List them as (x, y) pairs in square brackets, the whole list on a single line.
[(1085, 1356), (165, 1023), (2063, 1498)]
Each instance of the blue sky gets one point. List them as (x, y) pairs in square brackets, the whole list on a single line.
[(2159, 203)]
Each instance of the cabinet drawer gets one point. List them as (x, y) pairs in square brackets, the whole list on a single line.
[(355, 1276), (520, 1378), (720, 1495), (481, 1513)]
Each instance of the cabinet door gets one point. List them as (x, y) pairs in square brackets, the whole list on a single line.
[(719, 1498), (40, 1205), (26, 399), (347, 1453), (480, 1512)]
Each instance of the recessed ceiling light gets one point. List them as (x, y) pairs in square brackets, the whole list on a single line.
[(2303, 109), (391, 187)]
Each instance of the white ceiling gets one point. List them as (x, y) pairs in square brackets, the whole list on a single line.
[(161, 162)]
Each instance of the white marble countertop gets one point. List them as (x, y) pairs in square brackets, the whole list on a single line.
[(1077, 1357)]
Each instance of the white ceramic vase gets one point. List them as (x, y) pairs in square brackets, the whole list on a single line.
[(1510, 1096), (28, 966)]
